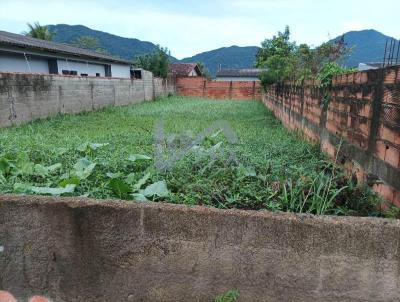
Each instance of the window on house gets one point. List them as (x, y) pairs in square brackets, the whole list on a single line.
[(107, 70), (84, 74), (69, 72), (97, 74), (136, 74)]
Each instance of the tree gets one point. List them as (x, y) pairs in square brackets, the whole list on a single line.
[(39, 32), (89, 42), (204, 70), (284, 60), (277, 56), (157, 62)]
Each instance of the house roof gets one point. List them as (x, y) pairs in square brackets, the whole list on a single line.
[(248, 72), (372, 64), (183, 69), (10, 39)]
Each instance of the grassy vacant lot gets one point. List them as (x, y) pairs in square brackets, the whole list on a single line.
[(110, 154)]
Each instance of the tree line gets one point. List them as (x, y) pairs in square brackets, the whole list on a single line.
[(284, 60)]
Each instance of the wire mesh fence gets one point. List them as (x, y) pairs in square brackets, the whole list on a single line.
[(392, 52), (390, 113)]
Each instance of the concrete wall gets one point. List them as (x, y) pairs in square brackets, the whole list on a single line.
[(88, 250), (18, 63), (362, 116), (26, 97), (81, 67), (200, 87)]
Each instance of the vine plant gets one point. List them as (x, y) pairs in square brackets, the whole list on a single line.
[(325, 76)]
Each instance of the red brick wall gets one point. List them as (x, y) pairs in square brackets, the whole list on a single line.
[(361, 115), (200, 87)]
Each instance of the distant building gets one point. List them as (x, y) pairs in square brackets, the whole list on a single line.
[(367, 66), (185, 70), (249, 74), (20, 53)]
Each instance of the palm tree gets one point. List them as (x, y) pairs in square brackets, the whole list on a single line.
[(204, 70), (39, 32)]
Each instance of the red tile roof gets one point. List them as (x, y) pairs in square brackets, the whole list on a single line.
[(183, 69)]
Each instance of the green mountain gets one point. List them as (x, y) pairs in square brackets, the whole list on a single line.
[(125, 48), (226, 57), (367, 46), (128, 48)]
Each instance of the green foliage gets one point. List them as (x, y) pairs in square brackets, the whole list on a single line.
[(328, 71), (325, 76), (158, 189), (138, 157), (83, 168), (39, 32), (229, 296), (204, 70), (25, 188), (119, 187), (284, 60), (89, 42), (157, 62), (112, 157), (277, 56), (267, 79)]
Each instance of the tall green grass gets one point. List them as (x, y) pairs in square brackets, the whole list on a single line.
[(109, 154)]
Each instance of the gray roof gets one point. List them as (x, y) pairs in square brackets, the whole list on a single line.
[(248, 72), (11, 39), (373, 64)]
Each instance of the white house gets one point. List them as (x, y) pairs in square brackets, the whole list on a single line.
[(19, 53)]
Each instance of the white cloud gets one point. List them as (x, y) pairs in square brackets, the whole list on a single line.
[(354, 25), (189, 27), (185, 35)]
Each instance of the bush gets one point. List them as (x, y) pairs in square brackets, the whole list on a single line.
[(229, 296), (157, 62), (267, 79), (285, 60)]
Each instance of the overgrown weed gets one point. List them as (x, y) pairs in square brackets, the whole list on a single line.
[(109, 154)]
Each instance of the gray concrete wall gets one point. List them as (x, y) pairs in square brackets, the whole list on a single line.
[(26, 97), (72, 249)]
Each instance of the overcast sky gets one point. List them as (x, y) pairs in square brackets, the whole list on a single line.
[(190, 27)]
